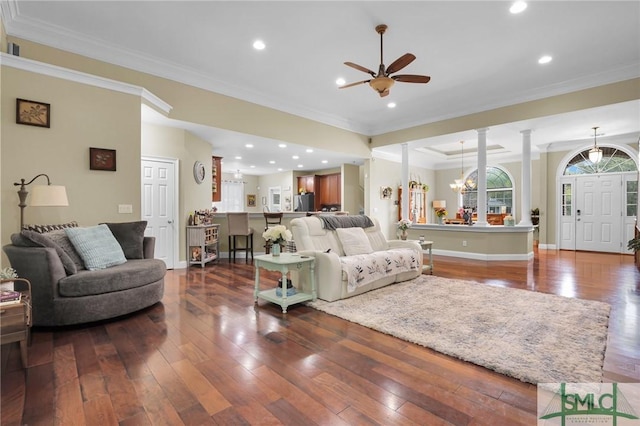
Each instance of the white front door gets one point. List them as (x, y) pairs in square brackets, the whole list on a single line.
[(158, 206), (599, 213)]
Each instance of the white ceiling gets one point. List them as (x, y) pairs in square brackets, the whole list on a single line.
[(478, 55)]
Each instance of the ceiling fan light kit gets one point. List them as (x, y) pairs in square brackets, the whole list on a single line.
[(383, 80)]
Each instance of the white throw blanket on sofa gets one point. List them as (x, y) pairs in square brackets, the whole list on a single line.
[(361, 269)]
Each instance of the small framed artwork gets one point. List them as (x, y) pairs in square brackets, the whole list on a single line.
[(386, 192), (33, 113), (102, 159), (251, 200)]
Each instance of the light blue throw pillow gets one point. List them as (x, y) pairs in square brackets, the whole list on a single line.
[(97, 246)]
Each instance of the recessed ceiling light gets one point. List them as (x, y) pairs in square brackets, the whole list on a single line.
[(237, 157), (300, 166), (517, 7), (282, 145), (295, 157), (279, 169), (252, 166), (249, 145), (391, 105), (272, 162), (324, 161), (259, 45), (545, 59), (309, 150), (341, 81)]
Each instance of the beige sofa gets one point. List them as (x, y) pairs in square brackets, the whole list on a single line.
[(339, 273)]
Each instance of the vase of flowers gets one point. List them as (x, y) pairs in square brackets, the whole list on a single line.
[(7, 275), (403, 225), (277, 235), (441, 213)]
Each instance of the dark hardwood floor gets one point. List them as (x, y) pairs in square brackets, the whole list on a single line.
[(207, 356)]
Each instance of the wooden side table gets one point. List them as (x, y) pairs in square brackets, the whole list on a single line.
[(15, 319), (284, 263)]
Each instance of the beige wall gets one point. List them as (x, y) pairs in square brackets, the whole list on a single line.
[(204, 107), (82, 116)]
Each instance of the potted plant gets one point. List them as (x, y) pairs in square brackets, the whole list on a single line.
[(441, 213), (403, 225), (277, 236), (8, 274), (535, 216)]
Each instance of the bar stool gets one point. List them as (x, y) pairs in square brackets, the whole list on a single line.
[(271, 219), (238, 225)]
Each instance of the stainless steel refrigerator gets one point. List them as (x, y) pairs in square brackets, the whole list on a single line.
[(304, 202)]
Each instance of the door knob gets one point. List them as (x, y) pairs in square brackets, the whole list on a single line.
[(169, 221)]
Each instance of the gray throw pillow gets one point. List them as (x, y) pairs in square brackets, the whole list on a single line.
[(60, 238), (130, 236), (43, 240)]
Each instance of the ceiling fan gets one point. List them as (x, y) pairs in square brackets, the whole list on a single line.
[(383, 81)]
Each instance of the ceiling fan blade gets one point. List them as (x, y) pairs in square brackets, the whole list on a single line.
[(360, 68), (400, 63), (353, 84), (410, 78)]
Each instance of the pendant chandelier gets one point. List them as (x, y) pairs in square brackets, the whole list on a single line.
[(459, 185), (237, 174), (595, 153)]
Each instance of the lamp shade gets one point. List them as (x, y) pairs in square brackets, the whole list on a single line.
[(439, 204), (48, 195), (595, 155)]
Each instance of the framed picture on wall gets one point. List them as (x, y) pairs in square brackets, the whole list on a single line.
[(33, 113), (102, 159), (251, 200)]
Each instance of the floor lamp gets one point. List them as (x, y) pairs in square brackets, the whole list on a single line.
[(41, 196)]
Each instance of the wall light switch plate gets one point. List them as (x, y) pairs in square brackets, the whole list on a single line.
[(125, 208)]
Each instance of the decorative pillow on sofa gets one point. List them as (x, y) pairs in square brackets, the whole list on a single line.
[(41, 229), (130, 236), (97, 246), (354, 241), (44, 240)]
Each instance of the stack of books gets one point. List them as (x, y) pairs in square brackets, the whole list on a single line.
[(9, 297)]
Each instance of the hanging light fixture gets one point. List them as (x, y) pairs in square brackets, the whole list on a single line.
[(237, 174), (459, 185), (595, 153)]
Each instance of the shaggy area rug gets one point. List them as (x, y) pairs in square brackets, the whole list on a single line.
[(534, 337)]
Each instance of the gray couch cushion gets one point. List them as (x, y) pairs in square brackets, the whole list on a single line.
[(49, 240), (133, 273), (130, 236)]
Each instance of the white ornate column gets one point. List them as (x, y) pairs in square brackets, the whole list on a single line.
[(405, 181), (525, 203), (482, 177)]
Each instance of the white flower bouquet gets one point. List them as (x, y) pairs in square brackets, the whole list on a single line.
[(277, 234), (404, 224)]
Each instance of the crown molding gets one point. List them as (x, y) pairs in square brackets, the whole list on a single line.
[(83, 78)]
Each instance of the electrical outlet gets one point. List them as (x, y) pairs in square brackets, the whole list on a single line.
[(464, 243), (125, 208)]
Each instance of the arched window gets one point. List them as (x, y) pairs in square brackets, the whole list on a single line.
[(499, 191), (613, 160)]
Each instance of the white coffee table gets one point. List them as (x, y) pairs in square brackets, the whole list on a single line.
[(284, 263)]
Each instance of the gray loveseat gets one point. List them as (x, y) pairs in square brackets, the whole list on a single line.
[(64, 293)]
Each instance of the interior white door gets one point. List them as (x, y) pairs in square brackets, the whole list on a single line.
[(599, 213), (158, 206)]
